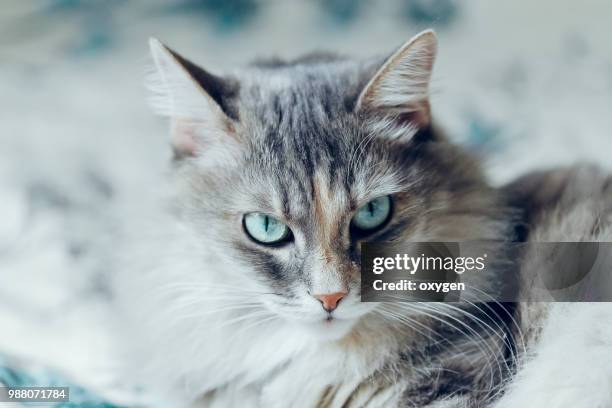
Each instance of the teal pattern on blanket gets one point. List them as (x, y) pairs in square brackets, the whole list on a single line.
[(12, 374)]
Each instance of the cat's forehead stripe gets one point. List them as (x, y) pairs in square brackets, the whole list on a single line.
[(329, 205)]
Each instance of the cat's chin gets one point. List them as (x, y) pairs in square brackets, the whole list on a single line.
[(327, 330)]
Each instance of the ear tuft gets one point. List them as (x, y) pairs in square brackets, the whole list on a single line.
[(400, 88), (161, 98)]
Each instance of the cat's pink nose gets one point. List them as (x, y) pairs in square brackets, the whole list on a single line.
[(330, 300)]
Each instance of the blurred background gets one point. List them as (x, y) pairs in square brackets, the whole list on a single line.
[(525, 84)]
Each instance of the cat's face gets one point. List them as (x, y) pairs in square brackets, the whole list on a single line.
[(286, 170)]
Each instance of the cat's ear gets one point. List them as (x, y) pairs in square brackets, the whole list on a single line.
[(399, 90), (197, 102)]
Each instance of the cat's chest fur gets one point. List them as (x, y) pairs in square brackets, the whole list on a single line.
[(277, 367)]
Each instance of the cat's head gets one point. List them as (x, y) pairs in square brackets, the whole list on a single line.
[(284, 169)]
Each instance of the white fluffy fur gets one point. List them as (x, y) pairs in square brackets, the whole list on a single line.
[(571, 367), (232, 346)]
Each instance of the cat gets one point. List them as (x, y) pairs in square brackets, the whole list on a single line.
[(243, 289)]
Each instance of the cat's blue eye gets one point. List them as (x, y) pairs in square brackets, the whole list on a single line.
[(373, 214), (266, 229)]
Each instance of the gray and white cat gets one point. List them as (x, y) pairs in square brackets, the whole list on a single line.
[(244, 290)]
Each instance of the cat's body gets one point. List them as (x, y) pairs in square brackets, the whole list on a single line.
[(221, 319), (567, 357)]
